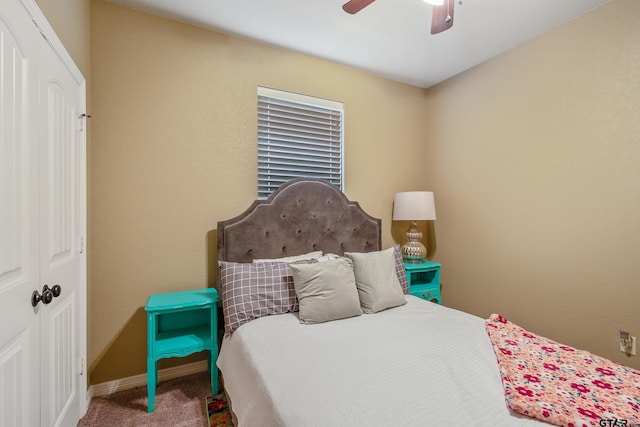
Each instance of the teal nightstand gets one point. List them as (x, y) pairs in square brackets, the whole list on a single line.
[(180, 324), (424, 280)]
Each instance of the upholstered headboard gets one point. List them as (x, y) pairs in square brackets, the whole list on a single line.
[(303, 215)]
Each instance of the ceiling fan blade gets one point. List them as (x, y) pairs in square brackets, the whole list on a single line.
[(442, 17), (355, 6)]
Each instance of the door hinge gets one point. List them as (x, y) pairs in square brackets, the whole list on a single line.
[(83, 119), (80, 244), (81, 372)]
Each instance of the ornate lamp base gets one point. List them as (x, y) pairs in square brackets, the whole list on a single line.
[(413, 250)]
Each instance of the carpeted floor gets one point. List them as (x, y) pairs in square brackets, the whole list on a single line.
[(179, 403)]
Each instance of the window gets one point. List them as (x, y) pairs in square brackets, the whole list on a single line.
[(298, 137)]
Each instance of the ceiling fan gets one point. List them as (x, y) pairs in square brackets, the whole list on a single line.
[(441, 16)]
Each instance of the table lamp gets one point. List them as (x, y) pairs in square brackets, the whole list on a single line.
[(414, 206)]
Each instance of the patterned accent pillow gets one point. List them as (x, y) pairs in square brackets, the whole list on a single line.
[(250, 291), (400, 271)]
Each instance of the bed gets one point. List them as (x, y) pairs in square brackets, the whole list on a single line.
[(412, 363)]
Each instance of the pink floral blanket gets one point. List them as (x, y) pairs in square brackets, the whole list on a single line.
[(561, 385)]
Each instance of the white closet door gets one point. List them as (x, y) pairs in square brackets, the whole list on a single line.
[(59, 243), (19, 207)]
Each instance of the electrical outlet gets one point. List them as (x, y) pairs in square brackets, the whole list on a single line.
[(625, 338)]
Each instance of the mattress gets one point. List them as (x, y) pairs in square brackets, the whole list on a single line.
[(415, 365)]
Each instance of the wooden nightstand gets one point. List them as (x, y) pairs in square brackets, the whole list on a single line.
[(424, 280), (180, 324)]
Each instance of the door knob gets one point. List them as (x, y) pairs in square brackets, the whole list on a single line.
[(46, 297), (56, 290), (48, 294)]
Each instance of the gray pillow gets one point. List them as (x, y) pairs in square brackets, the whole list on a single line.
[(326, 291), (376, 279)]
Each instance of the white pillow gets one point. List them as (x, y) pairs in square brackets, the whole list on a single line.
[(327, 257), (326, 290), (376, 279), (293, 258)]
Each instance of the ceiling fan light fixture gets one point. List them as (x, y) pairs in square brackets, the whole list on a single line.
[(434, 2)]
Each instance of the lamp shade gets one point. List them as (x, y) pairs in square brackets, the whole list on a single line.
[(414, 206)]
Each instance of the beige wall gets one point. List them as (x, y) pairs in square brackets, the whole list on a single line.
[(535, 160), (174, 151), (534, 157)]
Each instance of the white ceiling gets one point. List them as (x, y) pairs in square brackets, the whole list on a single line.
[(389, 38)]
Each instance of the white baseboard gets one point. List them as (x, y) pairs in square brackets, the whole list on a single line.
[(141, 380)]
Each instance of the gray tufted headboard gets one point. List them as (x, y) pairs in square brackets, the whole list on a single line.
[(303, 215)]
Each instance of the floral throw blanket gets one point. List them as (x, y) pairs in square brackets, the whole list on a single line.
[(561, 385)]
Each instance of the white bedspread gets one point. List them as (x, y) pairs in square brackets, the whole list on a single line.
[(421, 364)]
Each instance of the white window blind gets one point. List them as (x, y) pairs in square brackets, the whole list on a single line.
[(298, 137)]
